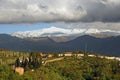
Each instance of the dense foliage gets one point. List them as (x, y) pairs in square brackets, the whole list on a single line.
[(34, 60), (70, 68)]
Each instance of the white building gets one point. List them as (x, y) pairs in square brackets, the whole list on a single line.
[(91, 55), (109, 58), (117, 58)]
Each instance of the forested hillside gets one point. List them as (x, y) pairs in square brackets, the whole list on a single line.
[(69, 68)]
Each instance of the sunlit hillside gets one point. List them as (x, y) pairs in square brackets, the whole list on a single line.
[(58, 66)]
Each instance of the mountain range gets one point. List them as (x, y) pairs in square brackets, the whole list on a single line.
[(98, 43), (61, 32)]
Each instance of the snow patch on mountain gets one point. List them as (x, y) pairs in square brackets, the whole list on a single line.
[(56, 32)]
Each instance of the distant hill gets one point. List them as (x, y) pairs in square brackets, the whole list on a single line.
[(106, 45)]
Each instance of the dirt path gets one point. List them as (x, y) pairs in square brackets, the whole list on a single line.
[(53, 60)]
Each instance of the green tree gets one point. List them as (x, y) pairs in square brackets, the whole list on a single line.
[(36, 59), (17, 63)]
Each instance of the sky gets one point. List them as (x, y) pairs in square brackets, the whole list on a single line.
[(12, 28), (23, 15)]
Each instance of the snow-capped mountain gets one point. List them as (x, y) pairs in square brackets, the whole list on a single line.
[(58, 32)]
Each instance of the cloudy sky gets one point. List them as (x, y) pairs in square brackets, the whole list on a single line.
[(21, 15)]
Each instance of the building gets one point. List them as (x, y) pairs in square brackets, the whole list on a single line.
[(118, 58), (50, 55), (68, 54), (110, 58), (60, 55), (91, 55), (80, 55), (101, 56)]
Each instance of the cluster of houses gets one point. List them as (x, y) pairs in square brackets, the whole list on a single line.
[(70, 54)]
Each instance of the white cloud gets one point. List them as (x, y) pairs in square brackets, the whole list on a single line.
[(59, 10), (88, 25), (42, 10)]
